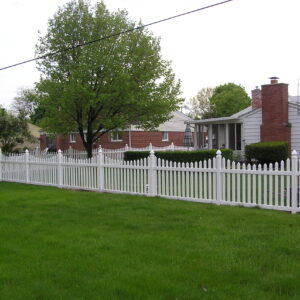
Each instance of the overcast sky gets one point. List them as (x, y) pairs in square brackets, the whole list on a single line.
[(243, 41)]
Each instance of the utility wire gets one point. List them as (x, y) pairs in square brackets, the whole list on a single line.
[(113, 35)]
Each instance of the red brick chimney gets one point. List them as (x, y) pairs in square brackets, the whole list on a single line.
[(275, 118), (256, 98)]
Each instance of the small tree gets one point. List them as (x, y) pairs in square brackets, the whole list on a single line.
[(28, 105), (200, 104), (13, 130), (106, 85)]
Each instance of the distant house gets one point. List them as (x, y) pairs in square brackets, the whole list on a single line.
[(273, 116), (167, 133), (35, 143)]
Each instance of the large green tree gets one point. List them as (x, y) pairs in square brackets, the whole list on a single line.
[(108, 84), (228, 99), (13, 130)]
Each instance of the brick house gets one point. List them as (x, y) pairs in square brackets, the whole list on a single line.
[(167, 133), (273, 116)]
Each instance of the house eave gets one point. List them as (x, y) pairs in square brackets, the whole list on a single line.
[(237, 117), (216, 120)]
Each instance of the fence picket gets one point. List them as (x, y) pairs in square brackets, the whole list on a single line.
[(288, 185), (259, 185), (249, 190), (205, 173), (265, 179), (187, 183), (244, 183), (229, 180), (270, 185), (233, 175), (209, 180), (254, 185)]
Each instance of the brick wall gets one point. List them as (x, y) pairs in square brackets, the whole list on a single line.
[(256, 98), (42, 141), (275, 113), (139, 139)]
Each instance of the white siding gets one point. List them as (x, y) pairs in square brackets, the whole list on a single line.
[(251, 127), (294, 119), (253, 121)]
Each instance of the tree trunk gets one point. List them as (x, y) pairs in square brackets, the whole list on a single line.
[(89, 149)]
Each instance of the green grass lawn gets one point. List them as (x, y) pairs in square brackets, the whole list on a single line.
[(60, 244)]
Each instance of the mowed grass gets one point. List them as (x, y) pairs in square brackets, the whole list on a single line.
[(60, 244)]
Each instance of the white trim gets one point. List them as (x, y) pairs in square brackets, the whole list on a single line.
[(118, 139), (72, 138)]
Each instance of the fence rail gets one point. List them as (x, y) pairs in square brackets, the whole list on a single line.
[(214, 181), (115, 153)]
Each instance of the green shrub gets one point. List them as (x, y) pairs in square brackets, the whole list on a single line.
[(192, 156), (179, 156), (135, 155), (267, 152)]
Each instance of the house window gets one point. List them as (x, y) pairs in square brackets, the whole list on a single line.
[(117, 136), (165, 136), (72, 138), (235, 133)]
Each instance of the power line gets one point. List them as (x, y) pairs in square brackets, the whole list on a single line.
[(113, 35)]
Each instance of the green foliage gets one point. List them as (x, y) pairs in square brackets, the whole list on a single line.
[(192, 156), (13, 130), (135, 155), (38, 114), (267, 152), (179, 156), (227, 99), (106, 85)]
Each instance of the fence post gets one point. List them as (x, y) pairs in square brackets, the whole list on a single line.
[(59, 168), (126, 148), (172, 146), (152, 189), (219, 176), (27, 165), (100, 169), (294, 182), (0, 164)]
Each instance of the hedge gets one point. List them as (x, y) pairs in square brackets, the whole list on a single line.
[(267, 152), (179, 156), (135, 155)]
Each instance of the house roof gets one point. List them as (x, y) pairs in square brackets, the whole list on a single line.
[(34, 130), (232, 118), (176, 123), (293, 100)]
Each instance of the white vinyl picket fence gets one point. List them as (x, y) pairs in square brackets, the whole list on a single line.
[(214, 181)]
